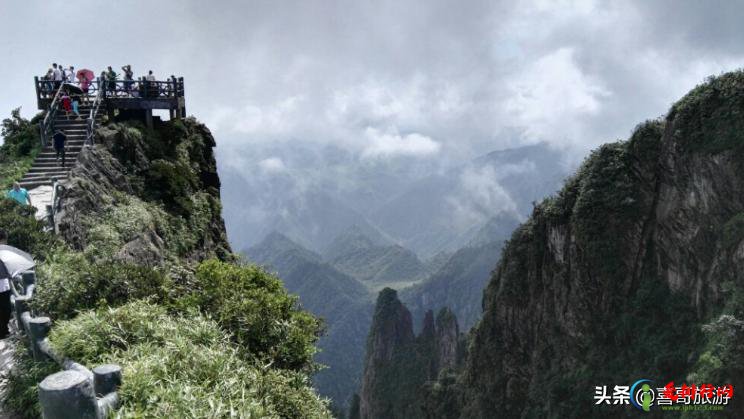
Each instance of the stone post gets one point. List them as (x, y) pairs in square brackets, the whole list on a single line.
[(106, 379), (67, 395), (28, 278), (21, 305), (38, 331)]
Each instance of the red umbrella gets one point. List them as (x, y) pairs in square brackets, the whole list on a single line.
[(85, 76)]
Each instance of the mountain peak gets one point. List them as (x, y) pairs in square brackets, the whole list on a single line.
[(274, 246), (354, 238)]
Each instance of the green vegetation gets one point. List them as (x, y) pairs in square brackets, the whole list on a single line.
[(72, 284), (24, 231), (20, 146), (256, 308), (709, 118), (182, 366), (341, 301), (141, 275)]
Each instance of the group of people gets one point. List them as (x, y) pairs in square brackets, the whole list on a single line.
[(58, 74)]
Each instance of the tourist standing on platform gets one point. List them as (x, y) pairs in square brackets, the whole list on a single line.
[(102, 82), (59, 145), (71, 75), (111, 77), (57, 76), (19, 194), (150, 85), (48, 85), (128, 77)]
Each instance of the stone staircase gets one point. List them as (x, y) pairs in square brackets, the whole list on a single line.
[(46, 166)]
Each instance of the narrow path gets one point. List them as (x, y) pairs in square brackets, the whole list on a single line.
[(41, 196)]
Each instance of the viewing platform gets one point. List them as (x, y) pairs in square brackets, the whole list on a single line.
[(131, 95), (98, 99)]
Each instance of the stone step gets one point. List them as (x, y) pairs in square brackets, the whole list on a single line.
[(45, 177), (30, 184), (43, 169), (67, 149), (42, 166), (52, 158), (72, 123), (68, 154), (50, 170)]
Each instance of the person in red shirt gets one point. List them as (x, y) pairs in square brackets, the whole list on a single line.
[(66, 104)]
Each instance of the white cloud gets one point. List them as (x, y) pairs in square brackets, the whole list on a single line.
[(272, 165), (552, 95), (480, 197), (385, 144)]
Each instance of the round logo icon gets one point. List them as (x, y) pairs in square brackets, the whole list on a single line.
[(642, 395)]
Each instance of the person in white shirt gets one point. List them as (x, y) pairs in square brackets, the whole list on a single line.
[(71, 74), (57, 75), (5, 308), (150, 76)]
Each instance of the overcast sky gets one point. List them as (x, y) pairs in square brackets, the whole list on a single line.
[(382, 79)]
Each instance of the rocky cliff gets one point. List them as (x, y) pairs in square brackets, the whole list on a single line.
[(634, 269), (614, 277), (162, 186), (398, 363)]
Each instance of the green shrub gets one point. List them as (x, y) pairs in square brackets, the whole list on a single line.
[(24, 230), (171, 183), (20, 146), (182, 367), (70, 283), (256, 309), (709, 118)]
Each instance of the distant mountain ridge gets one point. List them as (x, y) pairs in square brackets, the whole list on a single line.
[(346, 302), (439, 212), (367, 260)]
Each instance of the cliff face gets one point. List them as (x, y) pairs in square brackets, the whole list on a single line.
[(614, 277), (158, 189), (458, 284), (635, 269), (399, 363)]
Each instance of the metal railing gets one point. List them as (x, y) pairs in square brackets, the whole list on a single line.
[(56, 205), (46, 126), (76, 392), (141, 88), (90, 123)]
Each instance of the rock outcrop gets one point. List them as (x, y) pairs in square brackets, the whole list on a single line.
[(133, 172), (613, 278), (399, 363), (633, 270)]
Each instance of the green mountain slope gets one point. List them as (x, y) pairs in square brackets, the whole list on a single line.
[(373, 261)]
